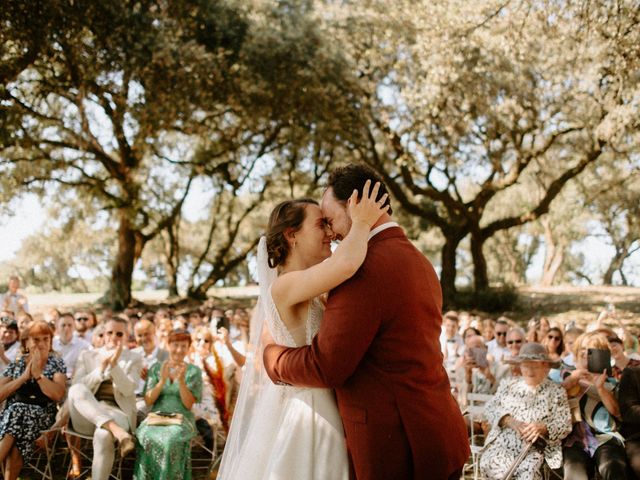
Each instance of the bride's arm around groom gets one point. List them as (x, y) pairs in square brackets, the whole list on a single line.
[(378, 346)]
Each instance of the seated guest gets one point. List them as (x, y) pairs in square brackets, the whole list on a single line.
[(594, 442), (164, 327), (24, 321), (570, 337), (32, 385), (619, 357), (488, 329), (211, 411), (554, 344), (524, 410), (475, 372), (9, 336), (509, 367), (498, 346), (102, 399), (450, 342), (629, 400), (173, 387), (84, 323), (68, 346), (145, 334), (97, 337)]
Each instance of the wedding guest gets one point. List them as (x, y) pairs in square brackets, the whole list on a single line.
[(450, 342), (163, 328), (84, 323), (498, 346), (629, 400), (32, 385), (13, 300), (164, 451), (619, 356), (474, 372), (524, 410), (488, 328), (97, 338), (9, 340), (24, 320), (211, 412), (150, 352), (65, 344), (570, 337), (102, 398), (594, 443), (554, 343), (510, 368)]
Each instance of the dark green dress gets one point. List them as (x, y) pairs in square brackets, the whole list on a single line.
[(164, 451)]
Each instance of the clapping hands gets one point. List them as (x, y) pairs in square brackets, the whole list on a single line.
[(112, 360)]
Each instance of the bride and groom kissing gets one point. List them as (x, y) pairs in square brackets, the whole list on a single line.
[(349, 385)]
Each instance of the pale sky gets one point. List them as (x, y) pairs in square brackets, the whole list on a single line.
[(30, 216)]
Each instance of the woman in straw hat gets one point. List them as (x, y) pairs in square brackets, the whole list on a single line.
[(526, 410)]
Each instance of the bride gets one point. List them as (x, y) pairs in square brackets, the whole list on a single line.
[(286, 432)]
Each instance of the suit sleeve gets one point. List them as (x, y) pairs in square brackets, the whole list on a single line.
[(91, 378), (126, 374), (350, 323)]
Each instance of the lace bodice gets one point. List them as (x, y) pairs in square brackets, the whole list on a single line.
[(296, 337)]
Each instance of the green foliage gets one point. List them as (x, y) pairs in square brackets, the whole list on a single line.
[(493, 300)]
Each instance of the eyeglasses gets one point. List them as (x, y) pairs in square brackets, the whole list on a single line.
[(82, 319), (202, 340), (6, 319), (553, 337), (501, 334), (117, 334), (511, 342)]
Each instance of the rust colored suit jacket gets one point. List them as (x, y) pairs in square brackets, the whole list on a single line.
[(378, 347)]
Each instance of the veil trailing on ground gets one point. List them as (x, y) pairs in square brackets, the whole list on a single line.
[(254, 378)]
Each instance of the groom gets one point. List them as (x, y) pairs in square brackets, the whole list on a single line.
[(378, 347)]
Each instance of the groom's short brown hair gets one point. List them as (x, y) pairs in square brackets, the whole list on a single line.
[(344, 180)]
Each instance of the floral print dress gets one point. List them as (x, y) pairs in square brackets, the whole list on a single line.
[(25, 421), (547, 403)]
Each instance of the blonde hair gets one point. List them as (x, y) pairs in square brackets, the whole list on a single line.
[(590, 340)]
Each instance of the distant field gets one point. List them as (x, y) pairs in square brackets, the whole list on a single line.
[(561, 304)]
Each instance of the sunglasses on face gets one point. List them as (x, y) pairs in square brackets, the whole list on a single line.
[(82, 319), (117, 334), (511, 342), (501, 334), (203, 340), (553, 337)]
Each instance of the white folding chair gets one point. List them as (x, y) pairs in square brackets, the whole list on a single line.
[(475, 412), (87, 456), (39, 466)]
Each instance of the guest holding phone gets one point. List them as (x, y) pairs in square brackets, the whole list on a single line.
[(171, 390), (594, 442), (474, 372)]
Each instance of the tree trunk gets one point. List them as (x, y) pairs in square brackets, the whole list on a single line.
[(614, 265), (553, 255), (172, 259), (120, 290), (480, 275), (448, 267)]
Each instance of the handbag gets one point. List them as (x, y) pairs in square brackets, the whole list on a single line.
[(163, 418), (31, 393)]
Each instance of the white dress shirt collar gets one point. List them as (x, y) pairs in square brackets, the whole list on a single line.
[(381, 228)]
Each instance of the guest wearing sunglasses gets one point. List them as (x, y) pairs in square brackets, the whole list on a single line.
[(508, 368), (102, 399), (554, 343), (211, 412), (84, 324), (498, 346)]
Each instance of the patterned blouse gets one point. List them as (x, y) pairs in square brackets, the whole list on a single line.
[(547, 403)]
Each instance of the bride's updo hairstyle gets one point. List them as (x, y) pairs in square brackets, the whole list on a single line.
[(287, 215)]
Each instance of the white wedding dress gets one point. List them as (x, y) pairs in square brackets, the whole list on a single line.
[(283, 432)]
